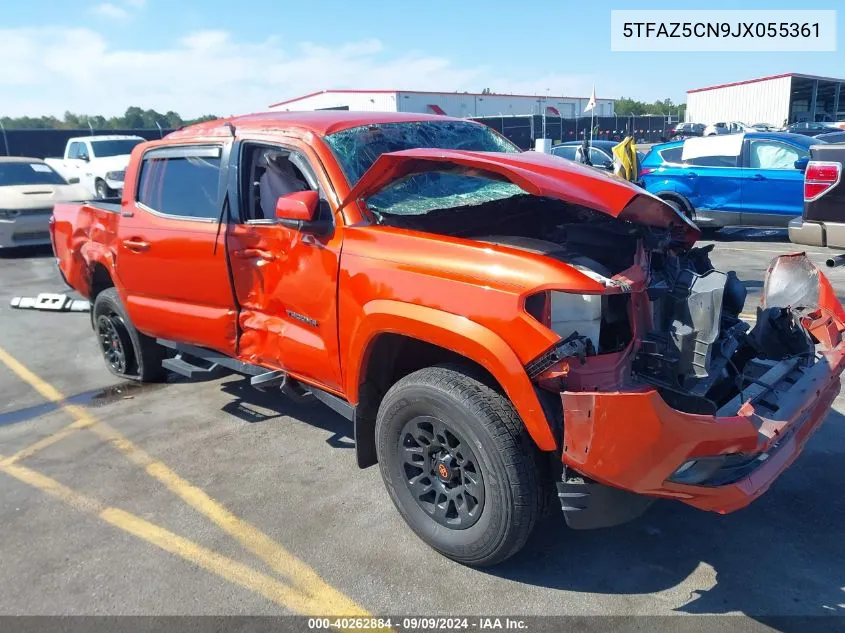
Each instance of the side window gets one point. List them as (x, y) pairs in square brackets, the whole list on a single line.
[(672, 155), (181, 181), (598, 158), (714, 161), (268, 173), (773, 155), (75, 150), (565, 151)]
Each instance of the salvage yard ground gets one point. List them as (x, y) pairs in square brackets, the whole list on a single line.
[(212, 498)]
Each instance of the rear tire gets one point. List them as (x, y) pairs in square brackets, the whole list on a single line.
[(459, 465), (681, 205), (127, 352)]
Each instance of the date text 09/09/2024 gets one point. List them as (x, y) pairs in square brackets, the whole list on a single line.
[(418, 623)]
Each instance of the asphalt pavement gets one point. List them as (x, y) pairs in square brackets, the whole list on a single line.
[(212, 498)]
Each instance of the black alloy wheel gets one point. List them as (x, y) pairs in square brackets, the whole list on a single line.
[(114, 342), (442, 472)]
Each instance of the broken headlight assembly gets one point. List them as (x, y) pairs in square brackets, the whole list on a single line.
[(588, 324)]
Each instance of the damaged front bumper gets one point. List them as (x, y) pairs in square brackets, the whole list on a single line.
[(632, 441)]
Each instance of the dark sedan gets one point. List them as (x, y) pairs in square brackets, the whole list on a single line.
[(809, 128), (601, 153)]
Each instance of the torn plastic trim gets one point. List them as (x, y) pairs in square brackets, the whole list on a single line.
[(573, 346)]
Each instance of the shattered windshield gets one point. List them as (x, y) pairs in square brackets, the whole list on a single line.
[(357, 148)]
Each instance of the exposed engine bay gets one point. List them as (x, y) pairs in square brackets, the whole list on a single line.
[(685, 338)]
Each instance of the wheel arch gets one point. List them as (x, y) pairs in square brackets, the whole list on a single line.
[(680, 198), (428, 336)]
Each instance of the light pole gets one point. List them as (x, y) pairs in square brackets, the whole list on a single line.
[(5, 138)]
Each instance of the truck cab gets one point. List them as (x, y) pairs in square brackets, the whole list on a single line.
[(97, 163)]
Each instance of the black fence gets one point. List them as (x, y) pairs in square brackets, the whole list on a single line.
[(51, 143), (525, 129), (521, 129)]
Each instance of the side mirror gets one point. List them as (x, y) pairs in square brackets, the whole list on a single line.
[(801, 163), (73, 181), (84, 157), (297, 211)]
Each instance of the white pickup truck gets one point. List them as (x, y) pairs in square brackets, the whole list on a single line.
[(99, 162)]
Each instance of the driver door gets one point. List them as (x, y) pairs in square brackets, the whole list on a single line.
[(285, 280)]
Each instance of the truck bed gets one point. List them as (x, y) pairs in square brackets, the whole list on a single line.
[(823, 220), (78, 231)]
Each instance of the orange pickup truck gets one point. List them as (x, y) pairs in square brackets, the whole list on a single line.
[(501, 327)]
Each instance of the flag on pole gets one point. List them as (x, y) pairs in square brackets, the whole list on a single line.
[(592, 103)]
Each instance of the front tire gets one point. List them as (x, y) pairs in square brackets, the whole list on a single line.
[(458, 465), (127, 352), (101, 189)]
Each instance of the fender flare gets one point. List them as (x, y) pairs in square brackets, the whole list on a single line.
[(94, 253), (461, 335)]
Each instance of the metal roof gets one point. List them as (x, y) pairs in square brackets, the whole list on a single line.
[(427, 92), (769, 78)]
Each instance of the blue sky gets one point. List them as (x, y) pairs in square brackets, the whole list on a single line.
[(223, 57)]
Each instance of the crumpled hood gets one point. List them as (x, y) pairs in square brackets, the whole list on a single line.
[(40, 196), (536, 173)]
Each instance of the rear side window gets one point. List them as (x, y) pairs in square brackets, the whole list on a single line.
[(672, 154), (181, 182), (713, 161), (766, 154)]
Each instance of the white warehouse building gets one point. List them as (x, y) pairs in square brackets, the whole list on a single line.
[(776, 100), (457, 104)]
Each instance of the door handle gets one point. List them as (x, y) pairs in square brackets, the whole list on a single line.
[(254, 253), (758, 177), (136, 244), (692, 174)]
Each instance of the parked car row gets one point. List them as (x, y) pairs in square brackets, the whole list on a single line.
[(807, 128)]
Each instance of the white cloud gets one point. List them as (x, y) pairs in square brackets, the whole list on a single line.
[(110, 11), (50, 70)]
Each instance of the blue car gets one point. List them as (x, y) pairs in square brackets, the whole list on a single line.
[(751, 179)]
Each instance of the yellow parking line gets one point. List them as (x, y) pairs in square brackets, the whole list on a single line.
[(211, 561), (280, 560)]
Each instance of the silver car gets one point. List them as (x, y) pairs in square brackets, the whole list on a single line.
[(28, 190)]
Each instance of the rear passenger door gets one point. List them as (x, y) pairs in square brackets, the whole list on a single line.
[(772, 188), (171, 255), (716, 183)]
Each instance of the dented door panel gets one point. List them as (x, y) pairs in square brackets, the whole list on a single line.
[(285, 282)]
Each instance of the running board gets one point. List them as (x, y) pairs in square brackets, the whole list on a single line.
[(190, 368), (200, 362), (189, 353)]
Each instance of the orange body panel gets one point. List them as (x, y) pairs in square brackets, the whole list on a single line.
[(315, 305)]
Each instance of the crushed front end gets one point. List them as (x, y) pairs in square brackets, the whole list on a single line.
[(697, 406)]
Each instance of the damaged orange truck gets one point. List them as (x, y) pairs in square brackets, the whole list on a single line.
[(502, 328)]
